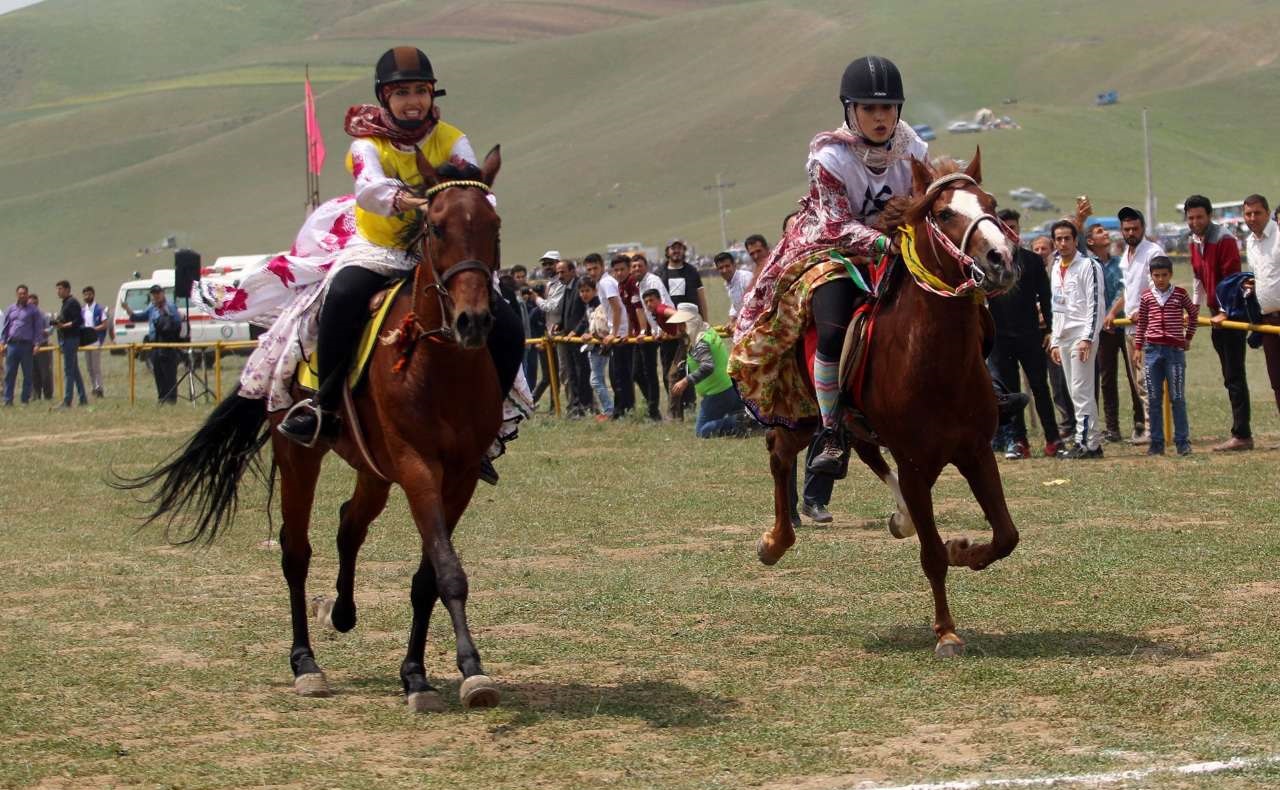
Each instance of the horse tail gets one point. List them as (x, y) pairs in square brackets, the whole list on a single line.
[(198, 485)]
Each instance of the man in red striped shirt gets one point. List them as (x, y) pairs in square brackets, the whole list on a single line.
[(1166, 322), (1215, 255)]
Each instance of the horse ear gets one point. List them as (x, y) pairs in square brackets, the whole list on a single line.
[(429, 176), (921, 177), (974, 170), (492, 162)]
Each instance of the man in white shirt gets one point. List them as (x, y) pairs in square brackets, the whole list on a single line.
[(1262, 251), (1135, 266), (620, 375), (736, 282), (646, 358), (1078, 308)]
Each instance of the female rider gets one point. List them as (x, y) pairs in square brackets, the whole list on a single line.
[(854, 171), (348, 249)]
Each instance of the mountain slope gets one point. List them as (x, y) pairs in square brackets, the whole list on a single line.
[(611, 130)]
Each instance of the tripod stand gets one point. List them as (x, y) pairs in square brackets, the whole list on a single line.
[(196, 375)]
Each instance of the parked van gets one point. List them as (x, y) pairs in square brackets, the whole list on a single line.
[(204, 328)]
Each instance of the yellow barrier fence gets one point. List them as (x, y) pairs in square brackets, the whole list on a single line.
[(545, 344)]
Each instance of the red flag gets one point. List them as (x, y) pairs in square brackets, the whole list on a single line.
[(315, 143)]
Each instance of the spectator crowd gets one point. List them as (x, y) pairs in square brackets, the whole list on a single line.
[(625, 325)]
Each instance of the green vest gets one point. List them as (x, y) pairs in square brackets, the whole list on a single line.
[(719, 380)]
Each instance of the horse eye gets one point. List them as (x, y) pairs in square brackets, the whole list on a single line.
[(946, 215)]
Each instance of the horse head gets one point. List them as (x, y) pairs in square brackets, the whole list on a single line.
[(460, 247), (955, 218)]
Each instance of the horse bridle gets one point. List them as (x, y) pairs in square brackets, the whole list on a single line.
[(439, 282), (966, 262)]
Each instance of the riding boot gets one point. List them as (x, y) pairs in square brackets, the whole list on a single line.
[(307, 423), (833, 459)]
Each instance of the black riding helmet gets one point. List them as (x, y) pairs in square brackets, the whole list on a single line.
[(402, 64), (871, 80)]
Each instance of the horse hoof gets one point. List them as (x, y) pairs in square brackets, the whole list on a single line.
[(478, 691), (426, 702), (765, 554), (320, 609), (312, 684), (955, 551), (950, 646), (900, 526)]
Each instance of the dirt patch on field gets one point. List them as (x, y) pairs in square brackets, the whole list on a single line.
[(1254, 591), (78, 437)]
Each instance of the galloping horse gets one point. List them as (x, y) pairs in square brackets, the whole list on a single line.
[(926, 393), (430, 408)]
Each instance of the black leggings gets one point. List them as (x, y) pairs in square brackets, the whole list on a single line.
[(832, 305), (345, 311)]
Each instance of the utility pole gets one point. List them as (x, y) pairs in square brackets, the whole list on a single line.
[(720, 186), (1150, 205)]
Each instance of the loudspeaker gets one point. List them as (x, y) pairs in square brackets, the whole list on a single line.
[(186, 271)]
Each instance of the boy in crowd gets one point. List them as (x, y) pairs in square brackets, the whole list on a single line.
[(1078, 307), (597, 327), (1166, 322), (673, 333)]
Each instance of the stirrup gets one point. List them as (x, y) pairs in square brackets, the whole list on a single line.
[(306, 405)]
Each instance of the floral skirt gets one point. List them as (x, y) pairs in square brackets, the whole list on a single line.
[(763, 362)]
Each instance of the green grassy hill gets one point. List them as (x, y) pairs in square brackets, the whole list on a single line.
[(122, 125)]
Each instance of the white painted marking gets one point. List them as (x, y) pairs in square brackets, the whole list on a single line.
[(1087, 780), (966, 203)]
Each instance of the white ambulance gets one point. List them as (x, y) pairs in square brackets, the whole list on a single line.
[(204, 328)]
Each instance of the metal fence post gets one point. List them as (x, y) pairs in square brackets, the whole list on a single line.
[(217, 371), (57, 371), (133, 373)]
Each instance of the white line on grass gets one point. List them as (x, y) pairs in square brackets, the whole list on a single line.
[(1087, 780)]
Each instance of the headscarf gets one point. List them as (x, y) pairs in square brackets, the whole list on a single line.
[(877, 157), (370, 120)]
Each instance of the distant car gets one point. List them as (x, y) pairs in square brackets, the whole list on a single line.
[(925, 131), (963, 127), (1023, 193), (1038, 203), (1106, 98)]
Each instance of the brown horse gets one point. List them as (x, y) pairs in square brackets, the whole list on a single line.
[(926, 393), (430, 407)]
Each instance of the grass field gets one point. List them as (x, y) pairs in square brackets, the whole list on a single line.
[(617, 599)]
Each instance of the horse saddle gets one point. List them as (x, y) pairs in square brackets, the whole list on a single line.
[(308, 376)]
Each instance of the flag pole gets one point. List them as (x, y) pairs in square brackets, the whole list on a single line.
[(306, 146)]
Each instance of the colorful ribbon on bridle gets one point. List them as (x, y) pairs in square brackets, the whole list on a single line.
[(972, 285)]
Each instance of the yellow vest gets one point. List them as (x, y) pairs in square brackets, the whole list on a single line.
[(385, 231)]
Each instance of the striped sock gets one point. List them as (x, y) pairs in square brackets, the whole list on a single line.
[(825, 384)]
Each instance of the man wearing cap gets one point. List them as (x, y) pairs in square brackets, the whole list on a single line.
[(1135, 266), (720, 412), (684, 284), (566, 315), (161, 317)]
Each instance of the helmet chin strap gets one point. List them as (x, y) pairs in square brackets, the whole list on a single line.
[(408, 124)]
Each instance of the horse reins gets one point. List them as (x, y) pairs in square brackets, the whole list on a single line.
[(976, 277)]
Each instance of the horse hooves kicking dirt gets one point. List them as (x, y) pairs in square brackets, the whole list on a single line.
[(479, 691)]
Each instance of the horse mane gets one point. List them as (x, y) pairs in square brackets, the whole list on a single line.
[(939, 167), (449, 171)]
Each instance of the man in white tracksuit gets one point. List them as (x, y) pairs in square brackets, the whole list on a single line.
[(1079, 305)]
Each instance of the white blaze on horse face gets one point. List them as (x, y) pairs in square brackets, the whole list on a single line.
[(966, 204)]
